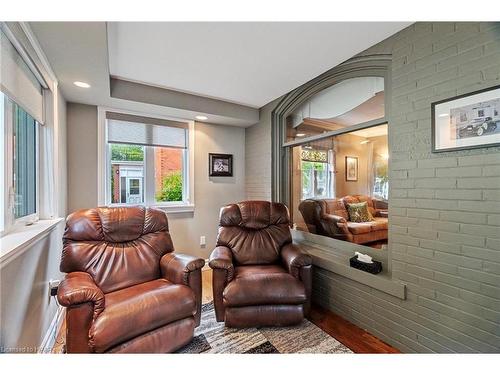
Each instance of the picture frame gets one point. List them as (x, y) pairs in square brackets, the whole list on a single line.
[(466, 121), (351, 168), (220, 165)]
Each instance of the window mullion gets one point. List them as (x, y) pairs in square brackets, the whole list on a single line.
[(149, 176)]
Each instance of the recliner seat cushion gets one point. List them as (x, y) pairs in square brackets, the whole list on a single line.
[(141, 308), (263, 285), (379, 223)]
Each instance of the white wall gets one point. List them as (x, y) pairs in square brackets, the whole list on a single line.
[(26, 306), (210, 193)]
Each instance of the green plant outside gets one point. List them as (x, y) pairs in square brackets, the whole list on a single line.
[(171, 190), (127, 152)]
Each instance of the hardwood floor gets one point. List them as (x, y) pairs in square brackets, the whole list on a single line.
[(355, 338)]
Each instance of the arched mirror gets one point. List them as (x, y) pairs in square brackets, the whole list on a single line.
[(334, 158)]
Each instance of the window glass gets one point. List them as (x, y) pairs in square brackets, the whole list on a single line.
[(130, 170), (24, 162), (127, 173), (169, 178), (347, 103)]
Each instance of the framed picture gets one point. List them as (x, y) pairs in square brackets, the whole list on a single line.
[(351, 168), (220, 165), (466, 121)]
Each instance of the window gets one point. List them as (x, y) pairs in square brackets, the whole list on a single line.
[(21, 113), (20, 189), (148, 161)]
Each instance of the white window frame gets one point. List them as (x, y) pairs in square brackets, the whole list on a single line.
[(10, 223), (103, 162)]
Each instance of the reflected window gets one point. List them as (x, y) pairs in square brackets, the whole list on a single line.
[(350, 102)]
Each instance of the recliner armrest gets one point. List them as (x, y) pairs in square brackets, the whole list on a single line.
[(177, 267), (222, 258), (294, 259), (78, 288), (334, 218)]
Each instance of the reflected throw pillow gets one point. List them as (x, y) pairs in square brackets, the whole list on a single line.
[(358, 212)]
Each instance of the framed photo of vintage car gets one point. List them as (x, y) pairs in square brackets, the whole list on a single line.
[(220, 165), (466, 121)]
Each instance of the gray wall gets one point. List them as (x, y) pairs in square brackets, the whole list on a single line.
[(210, 194), (444, 208), (258, 156), (82, 156)]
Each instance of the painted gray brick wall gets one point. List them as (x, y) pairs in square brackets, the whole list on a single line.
[(258, 156), (444, 208)]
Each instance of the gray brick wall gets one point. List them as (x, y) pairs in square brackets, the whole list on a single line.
[(444, 208), (258, 156)]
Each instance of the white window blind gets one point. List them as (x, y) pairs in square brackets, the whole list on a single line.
[(137, 130), (18, 82)]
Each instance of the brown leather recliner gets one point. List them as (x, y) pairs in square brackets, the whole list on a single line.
[(259, 277), (126, 291)]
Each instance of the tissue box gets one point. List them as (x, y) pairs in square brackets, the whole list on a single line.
[(375, 267)]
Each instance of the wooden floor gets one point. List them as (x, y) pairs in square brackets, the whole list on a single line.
[(355, 338)]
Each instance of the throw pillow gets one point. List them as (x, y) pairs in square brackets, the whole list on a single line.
[(358, 212)]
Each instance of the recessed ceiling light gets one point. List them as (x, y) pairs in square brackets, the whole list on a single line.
[(443, 115), (201, 117), (84, 85), (300, 134), (364, 142)]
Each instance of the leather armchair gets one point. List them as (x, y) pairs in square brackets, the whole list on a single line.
[(259, 277), (125, 290)]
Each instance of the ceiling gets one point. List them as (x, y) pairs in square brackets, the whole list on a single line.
[(247, 63), (231, 69)]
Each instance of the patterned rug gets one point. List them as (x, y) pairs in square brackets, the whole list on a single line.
[(212, 337)]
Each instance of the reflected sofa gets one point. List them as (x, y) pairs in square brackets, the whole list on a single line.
[(329, 217), (125, 290)]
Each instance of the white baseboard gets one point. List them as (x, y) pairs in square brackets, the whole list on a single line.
[(50, 336)]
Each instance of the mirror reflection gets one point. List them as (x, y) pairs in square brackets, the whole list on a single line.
[(340, 187)]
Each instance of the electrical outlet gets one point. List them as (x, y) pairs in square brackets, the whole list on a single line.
[(53, 285), (203, 241)]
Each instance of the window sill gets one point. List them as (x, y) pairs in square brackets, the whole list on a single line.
[(175, 209), (19, 240), (337, 261)]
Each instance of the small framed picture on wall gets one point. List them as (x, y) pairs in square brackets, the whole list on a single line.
[(351, 168), (220, 165), (467, 121)]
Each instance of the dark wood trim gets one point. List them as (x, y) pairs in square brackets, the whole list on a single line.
[(349, 334)]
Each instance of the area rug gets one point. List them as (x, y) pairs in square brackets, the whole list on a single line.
[(212, 337)]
